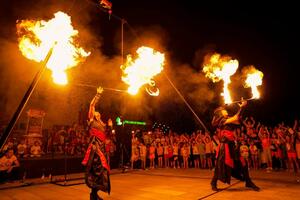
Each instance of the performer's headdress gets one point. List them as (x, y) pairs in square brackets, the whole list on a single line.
[(218, 116), (218, 110)]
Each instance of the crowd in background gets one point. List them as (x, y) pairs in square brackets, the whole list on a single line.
[(271, 148), (58, 142), (62, 140)]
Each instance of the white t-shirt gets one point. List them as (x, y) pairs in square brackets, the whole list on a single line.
[(160, 150), (36, 150), (175, 150), (195, 150), (209, 147), (143, 151), (6, 163), (21, 148)]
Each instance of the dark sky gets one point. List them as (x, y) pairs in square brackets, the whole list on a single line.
[(263, 35), (266, 36)]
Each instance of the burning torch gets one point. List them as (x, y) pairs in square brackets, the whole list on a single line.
[(52, 43)]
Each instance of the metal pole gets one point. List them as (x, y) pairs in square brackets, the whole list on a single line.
[(122, 40), (65, 157), (186, 103), (94, 86), (24, 101), (240, 101)]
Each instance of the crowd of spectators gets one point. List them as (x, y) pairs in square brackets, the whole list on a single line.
[(263, 147), (56, 143), (270, 148)]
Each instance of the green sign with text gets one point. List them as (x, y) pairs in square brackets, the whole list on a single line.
[(120, 122)]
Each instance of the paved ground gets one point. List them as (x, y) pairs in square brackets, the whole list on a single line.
[(175, 184)]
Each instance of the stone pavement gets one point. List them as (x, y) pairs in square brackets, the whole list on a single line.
[(167, 184)]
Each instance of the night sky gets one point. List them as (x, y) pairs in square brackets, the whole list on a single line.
[(266, 36)]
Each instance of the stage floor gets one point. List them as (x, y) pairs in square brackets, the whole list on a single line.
[(166, 184)]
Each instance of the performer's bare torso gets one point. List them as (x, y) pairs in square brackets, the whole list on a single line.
[(97, 125)]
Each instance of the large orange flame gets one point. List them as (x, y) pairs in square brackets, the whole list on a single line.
[(254, 79), (217, 67), (37, 37), (140, 71)]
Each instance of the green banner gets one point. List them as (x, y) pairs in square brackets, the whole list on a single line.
[(120, 122)]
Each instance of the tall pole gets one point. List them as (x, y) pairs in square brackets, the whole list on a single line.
[(24, 101), (122, 40), (94, 87), (186, 103)]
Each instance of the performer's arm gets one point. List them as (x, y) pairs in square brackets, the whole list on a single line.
[(94, 102), (102, 123), (235, 119)]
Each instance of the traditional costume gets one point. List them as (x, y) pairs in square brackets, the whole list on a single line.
[(229, 161), (96, 156)]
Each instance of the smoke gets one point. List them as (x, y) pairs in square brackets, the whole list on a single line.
[(168, 107), (193, 84), (63, 103)]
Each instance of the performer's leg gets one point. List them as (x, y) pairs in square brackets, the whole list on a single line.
[(248, 180), (214, 180), (94, 195)]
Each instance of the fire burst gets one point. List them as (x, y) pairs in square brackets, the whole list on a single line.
[(254, 79), (140, 71), (37, 37), (217, 68)]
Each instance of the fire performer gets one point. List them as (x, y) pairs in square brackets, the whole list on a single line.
[(96, 158), (229, 162)]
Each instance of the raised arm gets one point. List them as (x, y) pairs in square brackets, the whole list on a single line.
[(259, 132), (295, 125), (244, 122), (268, 133), (94, 102), (281, 137), (199, 137), (235, 119), (253, 122), (185, 138), (257, 127)]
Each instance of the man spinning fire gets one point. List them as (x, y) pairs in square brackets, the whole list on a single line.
[(229, 162), (96, 158)]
